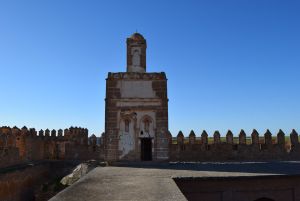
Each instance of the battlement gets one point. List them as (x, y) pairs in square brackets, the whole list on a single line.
[(72, 132), (21, 145), (242, 138), (230, 148)]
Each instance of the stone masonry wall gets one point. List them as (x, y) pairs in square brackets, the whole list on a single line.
[(111, 120), (161, 145), (256, 150), (114, 107), (22, 183), (22, 145)]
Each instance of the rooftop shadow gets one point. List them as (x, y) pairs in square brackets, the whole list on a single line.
[(278, 167)]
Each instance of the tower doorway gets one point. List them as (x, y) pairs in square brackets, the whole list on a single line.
[(146, 149)]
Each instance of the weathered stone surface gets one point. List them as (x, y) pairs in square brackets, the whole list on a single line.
[(180, 138), (19, 146), (81, 170), (192, 137), (255, 137), (242, 137), (136, 53), (281, 138), (268, 137), (258, 150), (136, 107), (229, 137), (156, 181), (204, 137), (294, 138), (217, 137), (26, 182)]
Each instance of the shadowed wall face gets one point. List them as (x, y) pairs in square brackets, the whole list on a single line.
[(276, 188)]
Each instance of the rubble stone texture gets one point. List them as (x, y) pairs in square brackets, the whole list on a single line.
[(19, 146)]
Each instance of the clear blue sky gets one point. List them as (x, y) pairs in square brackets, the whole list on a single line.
[(230, 64)]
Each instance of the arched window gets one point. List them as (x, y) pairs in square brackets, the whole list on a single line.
[(146, 125), (136, 58), (127, 125)]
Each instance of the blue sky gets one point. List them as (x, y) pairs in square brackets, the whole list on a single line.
[(230, 64)]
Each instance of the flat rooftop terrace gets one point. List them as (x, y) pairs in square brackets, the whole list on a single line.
[(155, 181)]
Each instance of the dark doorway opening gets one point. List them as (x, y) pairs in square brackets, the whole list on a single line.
[(146, 149)]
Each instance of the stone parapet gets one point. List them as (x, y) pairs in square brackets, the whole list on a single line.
[(229, 148), (22, 145)]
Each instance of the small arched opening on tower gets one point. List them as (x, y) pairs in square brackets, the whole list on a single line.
[(127, 122)]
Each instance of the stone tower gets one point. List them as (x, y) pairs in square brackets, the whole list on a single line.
[(136, 53), (136, 109)]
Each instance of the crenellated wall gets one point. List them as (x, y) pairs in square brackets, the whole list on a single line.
[(21, 145), (241, 148)]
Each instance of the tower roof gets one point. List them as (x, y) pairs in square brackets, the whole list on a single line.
[(137, 37)]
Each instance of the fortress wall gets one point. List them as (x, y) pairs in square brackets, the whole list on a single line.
[(269, 148), (22, 145), (9, 153), (18, 185), (18, 146), (9, 156), (24, 182), (77, 152)]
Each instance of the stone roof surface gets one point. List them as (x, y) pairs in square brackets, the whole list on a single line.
[(137, 37), (150, 181)]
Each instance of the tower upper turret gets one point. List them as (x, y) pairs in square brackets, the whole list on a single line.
[(136, 53)]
